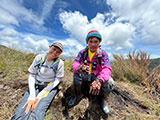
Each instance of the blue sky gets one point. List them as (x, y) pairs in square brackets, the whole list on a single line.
[(125, 25)]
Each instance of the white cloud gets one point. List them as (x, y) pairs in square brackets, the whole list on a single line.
[(116, 35), (7, 18), (143, 14), (33, 46), (13, 12), (154, 56), (47, 8), (16, 10), (72, 47), (7, 37), (28, 43), (75, 23)]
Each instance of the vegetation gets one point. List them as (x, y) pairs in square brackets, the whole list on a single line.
[(134, 69), (136, 94), (154, 63)]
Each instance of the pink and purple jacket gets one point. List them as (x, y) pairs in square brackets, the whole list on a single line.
[(102, 72)]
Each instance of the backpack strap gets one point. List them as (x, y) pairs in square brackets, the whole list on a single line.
[(85, 54), (41, 62), (54, 65), (100, 57)]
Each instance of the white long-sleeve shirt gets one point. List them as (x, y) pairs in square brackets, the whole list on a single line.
[(31, 81), (45, 74)]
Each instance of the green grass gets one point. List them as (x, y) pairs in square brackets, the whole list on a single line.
[(49, 115)]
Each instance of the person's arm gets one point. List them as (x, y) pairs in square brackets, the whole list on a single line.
[(77, 61), (103, 76), (47, 89), (31, 98), (31, 84), (105, 73)]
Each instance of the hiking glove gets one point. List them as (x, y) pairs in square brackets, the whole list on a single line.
[(95, 87)]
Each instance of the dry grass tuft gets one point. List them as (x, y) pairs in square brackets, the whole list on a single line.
[(133, 69), (154, 82)]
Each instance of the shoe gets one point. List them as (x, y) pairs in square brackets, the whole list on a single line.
[(72, 102), (104, 107)]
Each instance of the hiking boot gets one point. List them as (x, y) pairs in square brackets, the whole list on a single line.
[(104, 106), (73, 101), (77, 96)]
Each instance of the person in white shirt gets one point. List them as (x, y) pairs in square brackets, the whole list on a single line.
[(45, 74)]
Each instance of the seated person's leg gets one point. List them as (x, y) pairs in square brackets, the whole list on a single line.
[(20, 112), (41, 108), (107, 87), (78, 82)]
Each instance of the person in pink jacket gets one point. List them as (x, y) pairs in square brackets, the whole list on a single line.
[(92, 73)]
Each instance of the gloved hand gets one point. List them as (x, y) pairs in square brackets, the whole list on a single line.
[(95, 87), (83, 68), (29, 104)]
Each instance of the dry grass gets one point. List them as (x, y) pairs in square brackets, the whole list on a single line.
[(133, 69), (68, 64), (154, 83), (13, 82)]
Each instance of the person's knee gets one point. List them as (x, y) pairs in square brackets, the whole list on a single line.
[(77, 79), (111, 82), (108, 86)]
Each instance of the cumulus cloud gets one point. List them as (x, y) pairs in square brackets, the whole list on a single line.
[(25, 43), (6, 18), (7, 37), (143, 14), (33, 46), (117, 35), (13, 12), (72, 47), (16, 12), (47, 8), (126, 25), (74, 23)]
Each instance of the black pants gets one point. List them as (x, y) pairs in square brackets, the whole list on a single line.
[(82, 84)]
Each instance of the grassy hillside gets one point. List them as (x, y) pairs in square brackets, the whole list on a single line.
[(135, 97)]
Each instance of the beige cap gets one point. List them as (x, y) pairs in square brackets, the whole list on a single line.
[(59, 45)]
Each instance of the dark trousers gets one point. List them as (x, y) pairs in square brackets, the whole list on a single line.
[(82, 84)]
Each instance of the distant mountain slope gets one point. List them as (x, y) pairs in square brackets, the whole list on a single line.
[(154, 63)]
